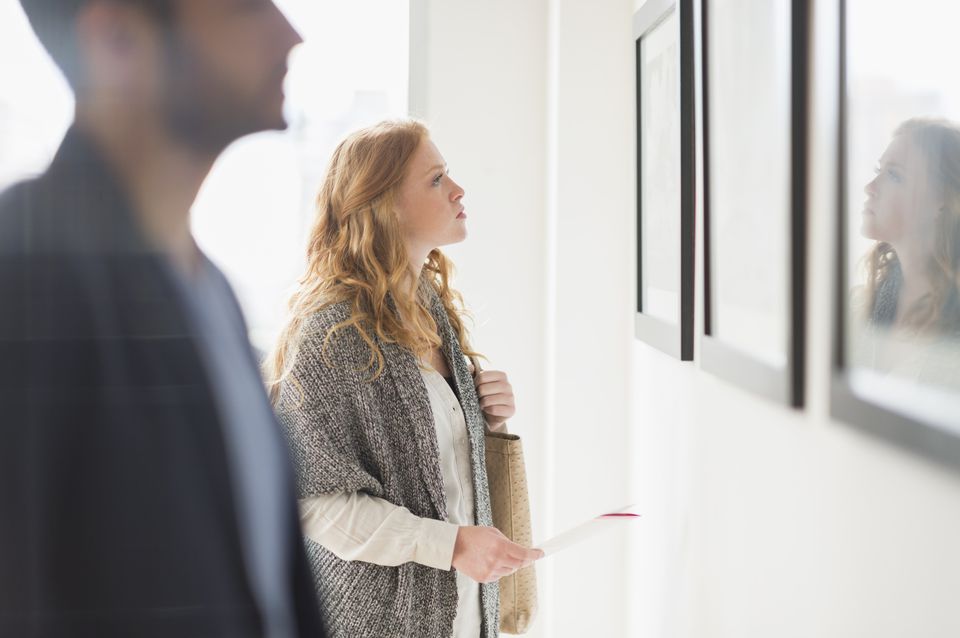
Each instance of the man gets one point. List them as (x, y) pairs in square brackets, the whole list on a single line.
[(144, 486)]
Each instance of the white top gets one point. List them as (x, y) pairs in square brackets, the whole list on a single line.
[(358, 526)]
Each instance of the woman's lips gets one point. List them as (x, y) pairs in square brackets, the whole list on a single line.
[(462, 215)]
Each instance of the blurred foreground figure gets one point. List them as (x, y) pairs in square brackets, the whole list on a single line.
[(144, 484)]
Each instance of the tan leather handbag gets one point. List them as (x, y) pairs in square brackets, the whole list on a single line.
[(511, 515)]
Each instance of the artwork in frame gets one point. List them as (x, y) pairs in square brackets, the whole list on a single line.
[(754, 181), (666, 180), (896, 364)]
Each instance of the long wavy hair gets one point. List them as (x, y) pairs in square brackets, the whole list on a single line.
[(939, 311), (356, 253)]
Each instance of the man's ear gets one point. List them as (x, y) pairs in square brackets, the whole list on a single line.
[(117, 43)]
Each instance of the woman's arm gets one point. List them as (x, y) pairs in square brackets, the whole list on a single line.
[(358, 526)]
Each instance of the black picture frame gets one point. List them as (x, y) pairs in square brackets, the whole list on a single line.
[(673, 338), (783, 384), (896, 417)]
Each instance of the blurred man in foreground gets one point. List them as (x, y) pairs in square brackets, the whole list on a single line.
[(144, 484)]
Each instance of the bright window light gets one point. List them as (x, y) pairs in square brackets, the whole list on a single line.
[(255, 209)]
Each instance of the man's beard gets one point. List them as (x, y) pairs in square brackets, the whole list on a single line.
[(204, 113)]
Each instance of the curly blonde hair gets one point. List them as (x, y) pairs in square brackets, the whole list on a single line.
[(356, 253)]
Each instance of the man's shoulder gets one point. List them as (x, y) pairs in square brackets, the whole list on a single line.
[(43, 278), (15, 204), (19, 257), (32, 219)]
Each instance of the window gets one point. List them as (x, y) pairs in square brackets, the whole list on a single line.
[(253, 212)]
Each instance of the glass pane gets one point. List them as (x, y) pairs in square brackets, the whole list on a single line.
[(749, 110), (903, 207), (660, 163)]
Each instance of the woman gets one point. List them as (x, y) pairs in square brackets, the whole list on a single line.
[(384, 417), (912, 295)]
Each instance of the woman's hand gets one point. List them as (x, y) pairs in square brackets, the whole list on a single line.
[(496, 397), (485, 554)]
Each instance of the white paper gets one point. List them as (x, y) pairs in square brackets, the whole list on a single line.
[(587, 530)]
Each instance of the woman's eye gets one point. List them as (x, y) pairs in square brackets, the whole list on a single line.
[(895, 176), (436, 180)]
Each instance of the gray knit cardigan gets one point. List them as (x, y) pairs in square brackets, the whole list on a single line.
[(348, 433)]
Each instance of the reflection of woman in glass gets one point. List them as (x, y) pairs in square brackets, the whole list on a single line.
[(913, 212)]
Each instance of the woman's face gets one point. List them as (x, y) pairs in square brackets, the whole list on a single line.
[(902, 205), (429, 202)]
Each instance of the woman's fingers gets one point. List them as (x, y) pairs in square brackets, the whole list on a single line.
[(502, 382), (523, 556), (497, 399), (506, 570), (499, 412), (517, 563), (495, 394), (493, 405), (494, 387), (489, 376), (520, 556), (486, 555)]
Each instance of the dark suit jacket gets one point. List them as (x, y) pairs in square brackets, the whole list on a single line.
[(116, 507)]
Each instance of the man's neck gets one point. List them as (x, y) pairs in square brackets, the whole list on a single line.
[(161, 176)]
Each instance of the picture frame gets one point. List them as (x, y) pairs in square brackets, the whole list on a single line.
[(760, 348), (666, 188), (922, 419)]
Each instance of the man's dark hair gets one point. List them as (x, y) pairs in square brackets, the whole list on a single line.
[(54, 22)]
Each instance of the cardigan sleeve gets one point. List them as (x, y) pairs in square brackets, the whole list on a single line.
[(319, 409)]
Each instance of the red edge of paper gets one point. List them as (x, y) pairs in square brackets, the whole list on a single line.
[(619, 515)]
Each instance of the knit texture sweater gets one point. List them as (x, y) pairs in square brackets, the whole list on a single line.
[(348, 433)]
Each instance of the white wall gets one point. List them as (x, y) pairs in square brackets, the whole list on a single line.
[(758, 521), (478, 78), (770, 522), (591, 196)]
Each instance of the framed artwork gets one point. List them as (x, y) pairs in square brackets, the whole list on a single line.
[(896, 359), (754, 183), (666, 178)]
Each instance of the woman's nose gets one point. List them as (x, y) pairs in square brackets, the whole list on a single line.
[(871, 187), (457, 193)]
